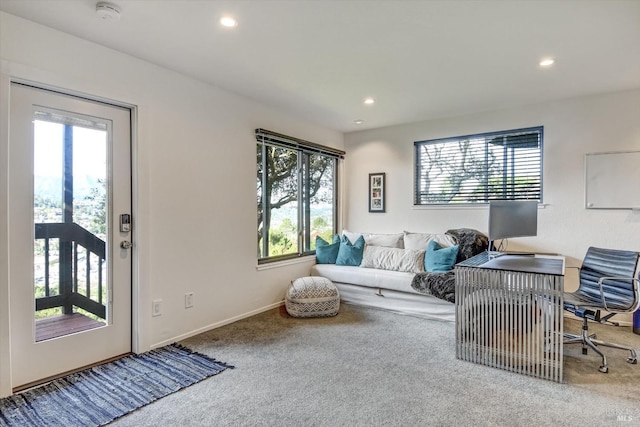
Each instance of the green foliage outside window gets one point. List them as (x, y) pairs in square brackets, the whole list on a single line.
[(295, 199)]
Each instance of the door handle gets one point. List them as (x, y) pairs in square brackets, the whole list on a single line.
[(125, 244)]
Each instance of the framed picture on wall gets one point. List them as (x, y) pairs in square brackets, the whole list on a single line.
[(376, 192)]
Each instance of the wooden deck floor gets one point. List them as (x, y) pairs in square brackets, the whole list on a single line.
[(64, 324)]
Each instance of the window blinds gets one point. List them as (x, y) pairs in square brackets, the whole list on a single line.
[(504, 165), (273, 138)]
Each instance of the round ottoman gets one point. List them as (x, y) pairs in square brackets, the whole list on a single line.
[(312, 296)]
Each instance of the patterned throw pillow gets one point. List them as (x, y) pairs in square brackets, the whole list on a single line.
[(393, 259), (326, 253), (438, 259), (350, 254)]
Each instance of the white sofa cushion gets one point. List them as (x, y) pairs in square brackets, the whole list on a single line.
[(369, 277), (419, 241), (387, 240), (393, 259)]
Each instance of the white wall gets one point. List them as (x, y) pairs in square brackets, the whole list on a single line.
[(572, 128), (195, 161), (195, 183)]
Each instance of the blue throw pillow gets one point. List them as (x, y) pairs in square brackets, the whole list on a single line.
[(350, 254), (326, 253), (438, 259)]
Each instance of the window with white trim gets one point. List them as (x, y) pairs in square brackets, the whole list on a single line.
[(296, 195), (504, 165)]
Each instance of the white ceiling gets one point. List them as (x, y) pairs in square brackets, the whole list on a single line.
[(420, 60)]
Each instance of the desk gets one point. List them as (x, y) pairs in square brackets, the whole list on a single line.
[(509, 313)]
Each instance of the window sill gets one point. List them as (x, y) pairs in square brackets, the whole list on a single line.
[(284, 263), (463, 206), (452, 206)]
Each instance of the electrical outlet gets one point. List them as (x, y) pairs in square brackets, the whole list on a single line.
[(156, 309), (188, 300)]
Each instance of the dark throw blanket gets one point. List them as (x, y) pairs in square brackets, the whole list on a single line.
[(442, 285), (439, 285)]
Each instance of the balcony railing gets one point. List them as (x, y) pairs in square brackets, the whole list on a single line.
[(80, 280)]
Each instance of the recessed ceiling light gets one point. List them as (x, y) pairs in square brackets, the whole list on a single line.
[(358, 122), (547, 62), (228, 21), (369, 101)]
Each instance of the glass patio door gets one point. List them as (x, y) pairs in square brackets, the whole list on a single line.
[(70, 256)]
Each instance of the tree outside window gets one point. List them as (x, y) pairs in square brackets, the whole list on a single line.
[(505, 165), (295, 199)]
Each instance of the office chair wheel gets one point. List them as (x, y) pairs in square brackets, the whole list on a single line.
[(584, 350), (632, 360), (603, 369)]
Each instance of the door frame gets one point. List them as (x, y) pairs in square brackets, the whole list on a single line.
[(137, 346)]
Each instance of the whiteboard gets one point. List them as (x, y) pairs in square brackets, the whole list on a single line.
[(612, 180)]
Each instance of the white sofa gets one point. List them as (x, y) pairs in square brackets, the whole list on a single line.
[(384, 278)]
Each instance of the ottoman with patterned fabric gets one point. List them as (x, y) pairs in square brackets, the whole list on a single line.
[(312, 296)]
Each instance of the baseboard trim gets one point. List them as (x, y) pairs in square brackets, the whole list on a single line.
[(217, 325), (262, 310)]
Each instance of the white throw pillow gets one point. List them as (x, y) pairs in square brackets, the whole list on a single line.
[(393, 259), (352, 236), (388, 240), (419, 241)]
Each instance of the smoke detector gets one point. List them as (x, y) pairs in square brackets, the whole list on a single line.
[(107, 11)]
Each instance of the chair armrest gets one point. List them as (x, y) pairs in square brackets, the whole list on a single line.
[(635, 293)]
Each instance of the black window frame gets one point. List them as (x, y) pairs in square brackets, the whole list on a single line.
[(481, 168), (304, 149)]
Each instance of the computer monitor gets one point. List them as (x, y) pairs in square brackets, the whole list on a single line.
[(512, 218)]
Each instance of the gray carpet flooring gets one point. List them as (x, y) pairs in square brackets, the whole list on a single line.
[(369, 367)]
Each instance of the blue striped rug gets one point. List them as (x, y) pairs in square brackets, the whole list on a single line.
[(101, 394)]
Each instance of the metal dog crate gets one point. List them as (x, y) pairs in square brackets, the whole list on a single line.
[(510, 320)]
